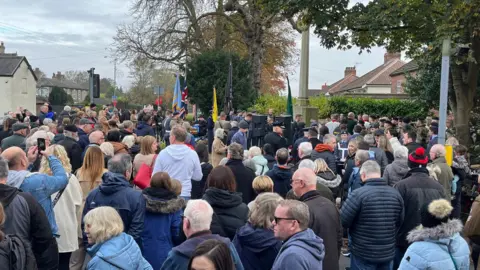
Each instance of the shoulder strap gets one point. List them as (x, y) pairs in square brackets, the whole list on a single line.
[(153, 160), (451, 257), (59, 194)]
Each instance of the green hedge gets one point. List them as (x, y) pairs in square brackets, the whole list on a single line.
[(340, 104)]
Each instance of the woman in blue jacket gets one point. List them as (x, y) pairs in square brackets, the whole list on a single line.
[(437, 243), (163, 219)]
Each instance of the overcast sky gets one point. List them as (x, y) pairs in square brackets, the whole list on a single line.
[(74, 35)]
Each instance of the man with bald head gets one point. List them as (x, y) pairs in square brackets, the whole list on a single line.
[(95, 138), (324, 217), (445, 177), (41, 186)]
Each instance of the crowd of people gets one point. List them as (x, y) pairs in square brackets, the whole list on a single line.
[(94, 190)]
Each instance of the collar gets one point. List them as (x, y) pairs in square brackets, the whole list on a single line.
[(312, 194), (200, 233), (375, 182)]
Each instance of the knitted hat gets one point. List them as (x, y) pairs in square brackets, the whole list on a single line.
[(436, 212), (417, 158), (243, 124)]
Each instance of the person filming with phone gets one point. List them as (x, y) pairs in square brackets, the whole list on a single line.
[(40, 186)]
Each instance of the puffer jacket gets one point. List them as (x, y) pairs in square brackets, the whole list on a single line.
[(373, 215), (229, 212), (162, 224), (416, 189), (437, 248), (261, 165), (396, 171), (325, 152)]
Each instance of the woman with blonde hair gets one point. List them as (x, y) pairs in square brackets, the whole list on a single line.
[(385, 145), (255, 241), (328, 178), (112, 248), (219, 149), (261, 184), (90, 177), (66, 206), (148, 149)]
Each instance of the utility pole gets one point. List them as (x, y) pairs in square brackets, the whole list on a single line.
[(91, 72), (114, 75), (442, 126)]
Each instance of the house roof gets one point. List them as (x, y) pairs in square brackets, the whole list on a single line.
[(46, 82), (377, 76), (9, 63), (338, 85), (407, 68)]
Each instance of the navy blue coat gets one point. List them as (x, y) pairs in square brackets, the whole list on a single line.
[(373, 214), (82, 138), (116, 192), (143, 130)]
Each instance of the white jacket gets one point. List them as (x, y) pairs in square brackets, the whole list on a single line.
[(395, 144)]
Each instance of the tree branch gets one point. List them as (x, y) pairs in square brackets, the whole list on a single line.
[(232, 21)]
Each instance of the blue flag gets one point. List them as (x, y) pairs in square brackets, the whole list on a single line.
[(177, 96)]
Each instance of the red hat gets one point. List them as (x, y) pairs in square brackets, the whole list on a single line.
[(418, 157)]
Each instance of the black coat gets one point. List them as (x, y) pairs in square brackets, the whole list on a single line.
[(74, 151), (281, 177), (276, 141), (314, 142), (416, 189), (325, 222), (244, 178), (271, 161), (229, 212), (198, 187), (373, 215), (412, 147), (329, 158)]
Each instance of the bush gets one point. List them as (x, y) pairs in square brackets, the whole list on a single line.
[(275, 102), (58, 96)]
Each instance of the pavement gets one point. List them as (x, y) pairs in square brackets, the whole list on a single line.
[(344, 262)]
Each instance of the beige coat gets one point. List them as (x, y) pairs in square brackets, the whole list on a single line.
[(219, 151)]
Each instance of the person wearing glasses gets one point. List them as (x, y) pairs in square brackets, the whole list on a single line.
[(301, 248)]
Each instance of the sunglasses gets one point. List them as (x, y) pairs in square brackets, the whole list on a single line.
[(278, 219)]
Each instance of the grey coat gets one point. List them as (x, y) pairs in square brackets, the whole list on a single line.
[(396, 171)]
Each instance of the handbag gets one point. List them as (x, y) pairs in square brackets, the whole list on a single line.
[(144, 174)]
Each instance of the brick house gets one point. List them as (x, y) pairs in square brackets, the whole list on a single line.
[(349, 76), (399, 78)]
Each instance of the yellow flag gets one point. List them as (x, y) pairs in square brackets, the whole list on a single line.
[(215, 108)]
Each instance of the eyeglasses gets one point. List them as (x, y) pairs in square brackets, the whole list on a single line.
[(278, 219)]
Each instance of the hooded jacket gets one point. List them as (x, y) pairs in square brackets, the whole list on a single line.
[(41, 186), (325, 152), (261, 165), (270, 161), (229, 212), (116, 192), (119, 252), (281, 177), (331, 181), (257, 247), (181, 163), (143, 129), (437, 248), (27, 220), (302, 251), (396, 171), (162, 225)]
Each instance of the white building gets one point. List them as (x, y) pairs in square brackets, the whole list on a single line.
[(45, 86), (17, 82)]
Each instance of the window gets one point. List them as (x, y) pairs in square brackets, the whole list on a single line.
[(399, 89), (24, 86)]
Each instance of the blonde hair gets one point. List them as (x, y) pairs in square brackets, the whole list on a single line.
[(104, 223), (129, 141), (263, 210), (146, 145), (93, 165), (262, 184), (59, 152), (384, 144), (254, 151), (452, 141), (107, 149), (321, 166)]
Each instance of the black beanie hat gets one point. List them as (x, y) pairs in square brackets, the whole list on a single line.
[(417, 158), (435, 213)]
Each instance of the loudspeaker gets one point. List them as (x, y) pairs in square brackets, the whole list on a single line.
[(287, 131), (259, 122)]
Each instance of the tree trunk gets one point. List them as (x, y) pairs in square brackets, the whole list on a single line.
[(255, 45), (219, 23), (464, 104)]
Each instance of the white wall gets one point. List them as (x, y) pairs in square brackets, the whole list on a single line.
[(379, 89), (5, 94), (23, 89)]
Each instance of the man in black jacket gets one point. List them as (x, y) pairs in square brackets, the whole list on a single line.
[(409, 136), (276, 138), (27, 220), (243, 176), (373, 212), (324, 217), (72, 147), (417, 189), (281, 174)]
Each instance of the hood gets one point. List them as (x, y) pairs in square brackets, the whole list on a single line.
[(329, 179), (281, 172), (142, 125), (117, 146), (7, 193), (323, 148), (444, 231), (120, 251), (308, 241), (260, 160), (269, 158), (177, 151), (15, 178), (112, 183), (256, 240), (222, 199), (162, 201), (400, 167), (188, 247)]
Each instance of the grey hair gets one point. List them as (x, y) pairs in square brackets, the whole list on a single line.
[(67, 108), (401, 153), (127, 124), (362, 156), (329, 138), (3, 168), (298, 211), (234, 124), (120, 164), (263, 210), (307, 163), (369, 139), (199, 214), (306, 148), (47, 121), (249, 163), (370, 167), (254, 151), (236, 151), (219, 133)]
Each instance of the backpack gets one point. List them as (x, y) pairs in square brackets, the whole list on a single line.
[(20, 255)]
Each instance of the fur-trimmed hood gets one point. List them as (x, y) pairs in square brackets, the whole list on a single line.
[(154, 205), (441, 232), (329, 179)]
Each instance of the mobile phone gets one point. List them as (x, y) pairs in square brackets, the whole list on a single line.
[(41, 144)]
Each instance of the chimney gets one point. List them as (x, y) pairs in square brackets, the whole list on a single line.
[(350, 71), (325, 87), (390, 56), (2, 48), (53, 76)]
